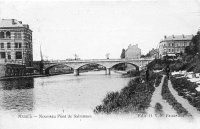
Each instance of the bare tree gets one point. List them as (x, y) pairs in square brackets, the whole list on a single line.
[(123, 53), (75, 56), (107, 55)]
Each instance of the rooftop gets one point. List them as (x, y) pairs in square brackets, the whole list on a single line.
[(178, 37), (12, 23)]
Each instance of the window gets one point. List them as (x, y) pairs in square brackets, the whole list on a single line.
[(27, 45), (20, 45), (18, 55), (2, 45), (3, 55), (2, 35), (18, 35), (8, 35), (168, 50), (16, 45), (9, 56), (8, 45)]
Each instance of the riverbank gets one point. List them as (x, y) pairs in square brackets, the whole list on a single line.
[(17, 77), (31, 76), (39, 75), (134, 98)]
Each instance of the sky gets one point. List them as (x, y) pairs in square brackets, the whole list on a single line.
[(91, 29)]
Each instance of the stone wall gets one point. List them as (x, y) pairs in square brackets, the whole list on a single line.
[(10, 70)]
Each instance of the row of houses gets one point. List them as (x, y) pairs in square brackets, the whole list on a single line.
[(172, 46)]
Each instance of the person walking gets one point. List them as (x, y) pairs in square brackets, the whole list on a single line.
[(168, 71)]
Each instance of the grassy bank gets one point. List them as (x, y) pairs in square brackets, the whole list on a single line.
[(135, 97), (167, 95), (187, 90)]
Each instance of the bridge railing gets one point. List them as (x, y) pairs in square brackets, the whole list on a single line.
[(97, 60)]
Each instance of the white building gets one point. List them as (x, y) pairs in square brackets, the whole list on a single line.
[(174, 45), (133, 52), (15, 43)]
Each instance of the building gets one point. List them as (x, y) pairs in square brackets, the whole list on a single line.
[(15, 45), (174, 45), (154, 53), (133, 52)]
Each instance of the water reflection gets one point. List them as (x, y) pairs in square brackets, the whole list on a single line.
[(20, 83), (68, 92), (17, 94)]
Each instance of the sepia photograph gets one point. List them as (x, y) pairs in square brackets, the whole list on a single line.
[(99, 64)]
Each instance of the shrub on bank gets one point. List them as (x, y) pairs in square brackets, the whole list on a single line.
[(166, 94), (187, 89), (135, 97), (133, 73), (159, 109), (182, 83), (158, 80)]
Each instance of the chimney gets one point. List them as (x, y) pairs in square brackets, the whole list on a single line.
[(183, 36), (173, 36), (20, 22), (13, 21), (165, 36), (26, 26)]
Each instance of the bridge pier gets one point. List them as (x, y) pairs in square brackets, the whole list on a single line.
[(108, 71), (76, 72)]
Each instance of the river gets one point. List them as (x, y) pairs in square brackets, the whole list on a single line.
[(58, 93), (57, 102)]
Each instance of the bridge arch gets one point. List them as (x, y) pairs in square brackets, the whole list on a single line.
[(46, 70), (77, 68), (136, 66), (89, 63)]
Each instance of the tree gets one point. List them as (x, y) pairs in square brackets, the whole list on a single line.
[(123, 54), (107, 55), (196, 43), (75, 56), (187, 50), (194, 47)]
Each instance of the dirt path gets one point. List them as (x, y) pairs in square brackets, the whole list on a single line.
[(192, 110), (157, 98)]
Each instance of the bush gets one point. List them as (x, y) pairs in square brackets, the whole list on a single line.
[(158, 80), (135, 97), (182, 85), (133, 73), (159, 108)]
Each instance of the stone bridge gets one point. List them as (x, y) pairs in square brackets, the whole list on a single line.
[(107, 63)]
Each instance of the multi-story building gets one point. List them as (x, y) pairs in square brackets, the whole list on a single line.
[(133, 52), (15, 43), (174, 45)]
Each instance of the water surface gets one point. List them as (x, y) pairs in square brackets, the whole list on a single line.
[(56, 93)]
